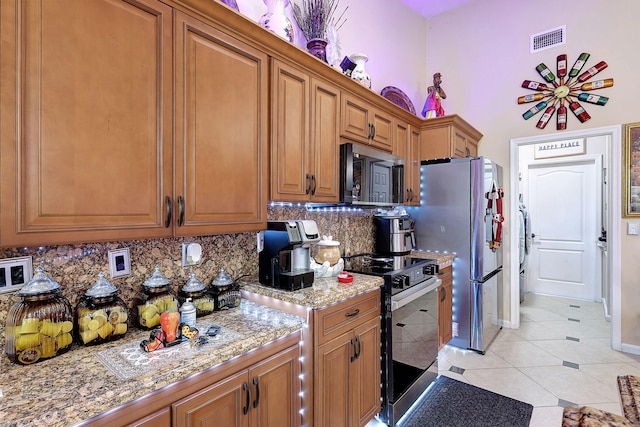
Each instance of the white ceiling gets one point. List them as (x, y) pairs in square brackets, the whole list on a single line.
[(431, 8)]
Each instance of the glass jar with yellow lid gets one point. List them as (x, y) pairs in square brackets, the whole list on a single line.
[(39, 326)]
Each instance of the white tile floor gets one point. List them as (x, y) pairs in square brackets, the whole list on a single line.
[(559, 356)]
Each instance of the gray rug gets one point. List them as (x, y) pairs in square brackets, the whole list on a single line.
[(452, 403)]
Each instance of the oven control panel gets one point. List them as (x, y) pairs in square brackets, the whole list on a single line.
[(412, 275)]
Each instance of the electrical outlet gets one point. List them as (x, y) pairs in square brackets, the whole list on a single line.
[(633, 228), (15, 273), (119, 262), (191, 254)]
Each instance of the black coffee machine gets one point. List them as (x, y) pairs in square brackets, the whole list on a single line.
[(285, 258)]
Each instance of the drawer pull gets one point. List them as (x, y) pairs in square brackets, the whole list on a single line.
[(167, 221), (353, 313), (256, 382), (245, 388)]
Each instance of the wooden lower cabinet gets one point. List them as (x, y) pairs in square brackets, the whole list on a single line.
[(161, 418), (347, 369), (445, 307), (264, 395), (258, 388)]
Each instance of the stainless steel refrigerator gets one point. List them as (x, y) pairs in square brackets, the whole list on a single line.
[(461, 213)]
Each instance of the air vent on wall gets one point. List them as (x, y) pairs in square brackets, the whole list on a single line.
[(548, 39)]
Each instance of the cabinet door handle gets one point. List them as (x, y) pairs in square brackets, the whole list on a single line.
[(358, 346), (353, 313), (353, 345), (370, 136), (167, 219), (374, 131), (180, 211), (467, 151), (313, 189), (245, 388), (308, 190), (443, 292), (256, 383)]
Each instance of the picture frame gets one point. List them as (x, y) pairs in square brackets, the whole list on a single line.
[(631, 170)]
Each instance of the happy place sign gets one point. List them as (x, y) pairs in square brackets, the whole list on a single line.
[(569, 147)]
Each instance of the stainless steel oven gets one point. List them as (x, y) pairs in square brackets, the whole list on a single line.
[(409, 329)]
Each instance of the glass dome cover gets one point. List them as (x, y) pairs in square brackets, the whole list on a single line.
[(102, 288), (223, 279), (40, 283), (157, 279), (193, 285)]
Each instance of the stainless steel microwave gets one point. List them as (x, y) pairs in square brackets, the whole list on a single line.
[(369, 176)]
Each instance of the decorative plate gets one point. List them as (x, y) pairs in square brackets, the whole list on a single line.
[(231, 3), (398, 97)]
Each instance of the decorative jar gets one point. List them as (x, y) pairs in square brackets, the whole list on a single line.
[(39, 326), (200, 297), (359, 73), (276, 21), (156, 298), (101, 316), (318, 48), (225, 291), (327, 249)]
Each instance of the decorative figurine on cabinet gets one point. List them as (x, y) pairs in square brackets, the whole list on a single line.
[(433, 105)]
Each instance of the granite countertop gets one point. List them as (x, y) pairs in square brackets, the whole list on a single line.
[(442, 259), (325, 290), (80, 384)]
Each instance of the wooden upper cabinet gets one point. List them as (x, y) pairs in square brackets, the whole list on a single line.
[(221, 114), (325, 140), (406, 139), (412, 167), (361, 122), (304, 134), (448, 136), (85, 131)]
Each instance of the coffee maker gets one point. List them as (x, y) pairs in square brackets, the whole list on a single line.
[(394, 235), (285, 258)]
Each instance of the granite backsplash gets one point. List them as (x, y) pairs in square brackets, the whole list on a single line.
[(76, 267)]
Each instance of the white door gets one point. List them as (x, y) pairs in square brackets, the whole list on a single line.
[(380, 183), (564, 204)]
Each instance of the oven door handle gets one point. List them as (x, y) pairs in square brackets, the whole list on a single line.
[(404, 298)]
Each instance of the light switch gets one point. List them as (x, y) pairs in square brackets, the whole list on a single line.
[(633, 228), (15, 273), (119, 262)]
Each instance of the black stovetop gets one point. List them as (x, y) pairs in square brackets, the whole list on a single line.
[(380, 265)]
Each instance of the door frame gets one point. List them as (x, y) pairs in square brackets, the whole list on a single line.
[(614, 170), (589, 159)]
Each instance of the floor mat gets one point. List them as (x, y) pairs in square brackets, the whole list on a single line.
[(452, 403)]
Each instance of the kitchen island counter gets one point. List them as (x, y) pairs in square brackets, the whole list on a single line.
[(77, 385)]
